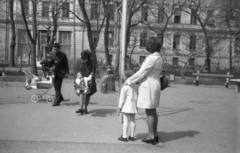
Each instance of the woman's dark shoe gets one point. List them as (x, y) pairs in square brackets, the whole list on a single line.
[(156, 138), (79, 111), (85, 111), (131, 138), (56, 104), (151, 141), (122, 139)]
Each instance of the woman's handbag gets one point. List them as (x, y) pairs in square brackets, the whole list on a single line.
[(164, 82)]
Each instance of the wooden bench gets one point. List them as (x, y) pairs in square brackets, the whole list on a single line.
[(236, 81), (198, 74)]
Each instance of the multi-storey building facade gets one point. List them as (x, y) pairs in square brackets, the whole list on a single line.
[(183, 39)]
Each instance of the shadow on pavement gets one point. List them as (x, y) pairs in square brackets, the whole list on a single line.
[(76, 103), (102, 112), (169, 136), (164, 111), (10, 102)]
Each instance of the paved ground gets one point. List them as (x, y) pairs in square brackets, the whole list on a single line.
[(203, 119)]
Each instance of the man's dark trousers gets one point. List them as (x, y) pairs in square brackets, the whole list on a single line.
[(57, 82)]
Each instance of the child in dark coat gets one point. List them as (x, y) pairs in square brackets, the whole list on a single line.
[(47, 65)]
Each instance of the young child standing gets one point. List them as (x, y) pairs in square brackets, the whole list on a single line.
[(81, 84), (128, 107)]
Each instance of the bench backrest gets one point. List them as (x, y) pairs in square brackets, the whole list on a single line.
[(213, 75)]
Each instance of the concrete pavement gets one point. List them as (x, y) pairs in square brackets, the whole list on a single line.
[(202, 119)]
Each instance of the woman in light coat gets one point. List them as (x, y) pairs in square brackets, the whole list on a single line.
[(149, 87)]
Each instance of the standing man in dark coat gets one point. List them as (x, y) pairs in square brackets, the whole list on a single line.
[(61, 70)]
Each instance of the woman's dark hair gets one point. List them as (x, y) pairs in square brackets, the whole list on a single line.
[(56, 45), (85, 54), (153, 45)]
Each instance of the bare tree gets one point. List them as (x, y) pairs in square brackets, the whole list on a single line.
[(134, 6), (13, 37), (228, 16), (52, 23), (117, 7), (190, 50), (32, 36), (108, 13), (203, 12), (161, 13)]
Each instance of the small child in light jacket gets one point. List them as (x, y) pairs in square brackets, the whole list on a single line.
[(81, 84), (128, 107)]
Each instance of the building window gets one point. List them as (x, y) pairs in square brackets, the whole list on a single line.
[(24, 45), (94, 11), (160, 14), (143, 39), (141, 59), (192, 43), (177, 15), (110, 38), (176, 42), (45, 9), (193, 16), (237, 46), (210, 41), (111, 9), (145, 13), (65, 10), (26, 7), (175, 61), (210, 17), (65, 42), (43, 44), (43, 37), (191, 62)]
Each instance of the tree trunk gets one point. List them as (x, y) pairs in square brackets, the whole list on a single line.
[(106, 33), (230, 55), (116, 41), (33, 58), (13, 39), (207, 50), (34, 38)]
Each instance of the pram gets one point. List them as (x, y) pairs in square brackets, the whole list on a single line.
[(34, 82)]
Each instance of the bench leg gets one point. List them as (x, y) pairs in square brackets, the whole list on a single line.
[(226, 85), (196, 82), (238, 87)]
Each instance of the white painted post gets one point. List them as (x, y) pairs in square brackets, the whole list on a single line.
[(227, 80), (122, 52), (123, 39), (197, 79)]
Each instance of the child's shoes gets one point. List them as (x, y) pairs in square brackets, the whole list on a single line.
[(131, 138)]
